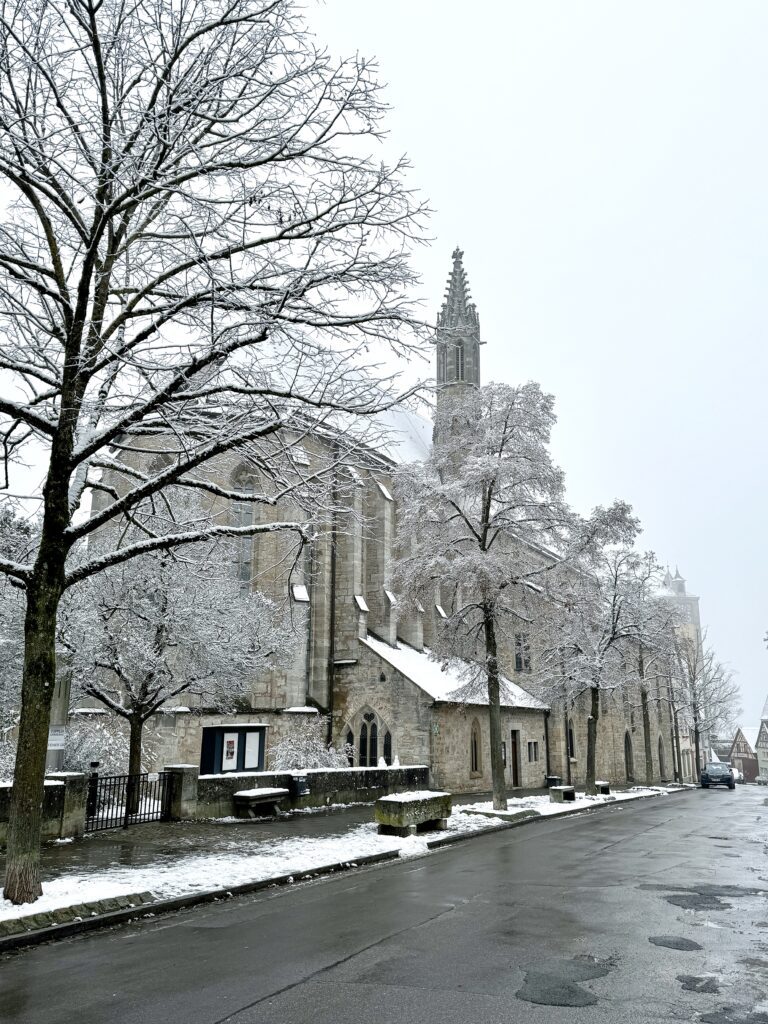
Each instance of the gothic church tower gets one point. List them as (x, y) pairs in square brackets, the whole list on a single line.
[(457, 339)]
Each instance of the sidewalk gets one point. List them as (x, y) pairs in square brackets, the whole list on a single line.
[(111, 876)]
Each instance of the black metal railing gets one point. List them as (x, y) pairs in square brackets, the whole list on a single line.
[(117, 801)]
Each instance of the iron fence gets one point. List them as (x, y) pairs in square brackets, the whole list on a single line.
[(117, 801)]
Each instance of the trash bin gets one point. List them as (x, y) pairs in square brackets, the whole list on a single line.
[(299, 785), (553, 780)]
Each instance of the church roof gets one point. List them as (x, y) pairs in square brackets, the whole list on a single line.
[(457, 310), (444, 682), (409, 436)]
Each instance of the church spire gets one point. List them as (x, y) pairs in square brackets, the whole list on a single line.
[(458, 330)]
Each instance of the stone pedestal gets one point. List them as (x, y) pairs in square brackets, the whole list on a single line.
[(183, 802)]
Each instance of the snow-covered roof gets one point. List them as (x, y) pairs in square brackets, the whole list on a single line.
[(444, 682), (409, 435), (749, 732)]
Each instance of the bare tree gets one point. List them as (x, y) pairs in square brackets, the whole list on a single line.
[(648, 650), (197, 256), (587, 630), (707, 694), (160, 628), (476, 521), (304, 745)]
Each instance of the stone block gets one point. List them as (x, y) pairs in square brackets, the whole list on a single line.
[(35, 921), (13, 926), (406, 813)]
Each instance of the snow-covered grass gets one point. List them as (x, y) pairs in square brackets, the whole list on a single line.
[(547, 808), (236, 864)]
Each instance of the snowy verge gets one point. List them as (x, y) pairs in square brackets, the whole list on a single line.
[(238, 864), (547, 808)]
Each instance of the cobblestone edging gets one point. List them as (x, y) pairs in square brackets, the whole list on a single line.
[(75, 914), (16, 933)]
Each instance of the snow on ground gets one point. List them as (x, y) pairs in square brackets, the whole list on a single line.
[(236, 862), (235, 865), (547, 808)]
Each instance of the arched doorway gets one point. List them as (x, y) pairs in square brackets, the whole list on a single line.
[(662, 766), (629, 764)]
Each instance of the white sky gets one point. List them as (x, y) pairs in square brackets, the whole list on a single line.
[(604, 166)]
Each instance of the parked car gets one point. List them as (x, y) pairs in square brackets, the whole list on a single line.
[(762, 780), (738, 776), (717, 774)]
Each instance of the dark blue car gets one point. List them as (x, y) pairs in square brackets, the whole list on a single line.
[(717, 774)]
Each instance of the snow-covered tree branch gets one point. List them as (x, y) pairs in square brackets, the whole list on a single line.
[(200, 258)]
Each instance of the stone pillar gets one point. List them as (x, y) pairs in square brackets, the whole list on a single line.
[(183, 800), (410, 627), (362, 616), (75, 796), (349, 573), (380, 523)]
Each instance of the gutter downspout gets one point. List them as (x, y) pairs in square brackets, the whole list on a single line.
[(332, 610)]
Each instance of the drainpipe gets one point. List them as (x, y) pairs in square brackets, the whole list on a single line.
[(332, 611), (546, 741)]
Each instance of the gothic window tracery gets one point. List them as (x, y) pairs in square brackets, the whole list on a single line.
[(458, 355), (368, 736)]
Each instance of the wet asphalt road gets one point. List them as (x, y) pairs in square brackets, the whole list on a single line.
[(547, 923)]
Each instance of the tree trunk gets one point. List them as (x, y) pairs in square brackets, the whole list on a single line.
[(494, 712), (136, 723), (677, 748), (697, 748), (594, 717), (646, 718), (647, 737), (568, 781), (22, 873)]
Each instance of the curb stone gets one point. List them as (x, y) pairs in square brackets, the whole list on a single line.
[(21, 932)]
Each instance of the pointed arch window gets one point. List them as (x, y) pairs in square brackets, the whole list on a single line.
[(441, 360), (475, 763), (458, 355), (362, 750), (571, 740), (366, 735), (243, 514)]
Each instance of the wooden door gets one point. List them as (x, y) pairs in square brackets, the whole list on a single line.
[(515, 756)]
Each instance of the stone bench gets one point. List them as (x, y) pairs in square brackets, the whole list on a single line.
[(560, 794), (258, 803), (602, 787), (404, 814)]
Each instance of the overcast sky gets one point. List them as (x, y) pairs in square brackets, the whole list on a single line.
[(604, 167)]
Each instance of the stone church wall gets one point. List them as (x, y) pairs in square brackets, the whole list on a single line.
[(451, 747), (373, 685)]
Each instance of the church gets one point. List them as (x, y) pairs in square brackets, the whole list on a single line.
[(367, 667)]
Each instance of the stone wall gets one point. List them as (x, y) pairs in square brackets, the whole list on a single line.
[(620, 715), (326, 786), (63, 807), (178, 736), (451, 738), (373, 684)]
